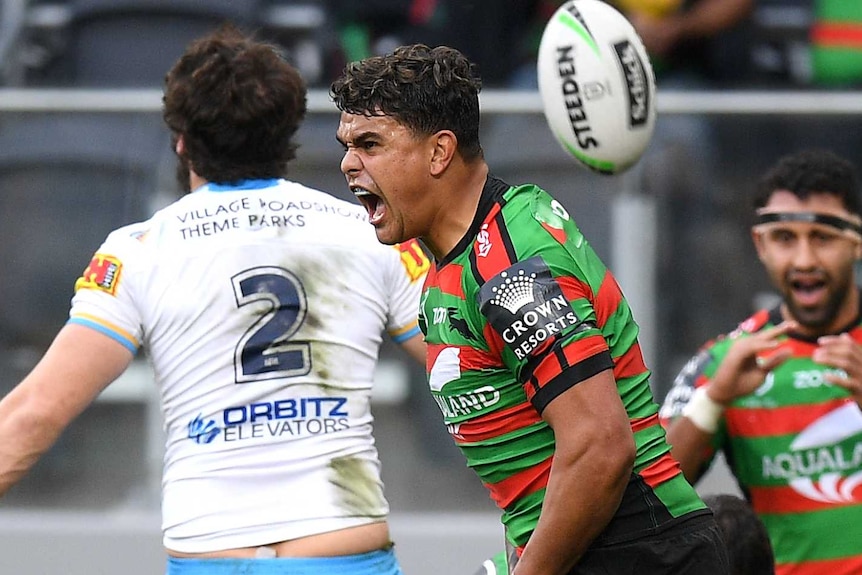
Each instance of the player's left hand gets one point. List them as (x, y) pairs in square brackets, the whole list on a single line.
[(842, 352)]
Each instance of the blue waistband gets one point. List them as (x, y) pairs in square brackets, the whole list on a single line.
[(381, 562)]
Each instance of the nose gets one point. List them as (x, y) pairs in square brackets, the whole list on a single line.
[(350, 162), (804, 256)]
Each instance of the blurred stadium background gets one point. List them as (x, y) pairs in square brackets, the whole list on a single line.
[(82, 151)]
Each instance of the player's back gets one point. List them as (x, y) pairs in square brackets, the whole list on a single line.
[(262, 308)]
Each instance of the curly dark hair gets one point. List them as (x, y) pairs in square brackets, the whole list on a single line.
[(808, 172), (237, 104), (425, 89)]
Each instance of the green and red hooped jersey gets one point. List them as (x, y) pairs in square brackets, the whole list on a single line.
[(836, 43), (521, 310), (795, 447)]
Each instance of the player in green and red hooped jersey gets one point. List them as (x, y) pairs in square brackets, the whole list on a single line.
[(781, 395), (533, 353)]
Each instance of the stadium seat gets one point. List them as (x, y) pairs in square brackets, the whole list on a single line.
[(11, 23), (123, 43), (132, 43), (304, 29), (67, 180), (780, 46)]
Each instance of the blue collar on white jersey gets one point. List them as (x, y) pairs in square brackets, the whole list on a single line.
[(241, 185)]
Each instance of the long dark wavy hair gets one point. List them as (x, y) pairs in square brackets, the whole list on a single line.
[(237, 103)]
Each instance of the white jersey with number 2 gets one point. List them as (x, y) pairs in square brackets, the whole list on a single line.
[(262, 307)]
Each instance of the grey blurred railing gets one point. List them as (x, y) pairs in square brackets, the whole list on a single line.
[(742, 102)]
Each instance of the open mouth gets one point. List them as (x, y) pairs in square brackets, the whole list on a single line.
[(373, 203), (808, 291)]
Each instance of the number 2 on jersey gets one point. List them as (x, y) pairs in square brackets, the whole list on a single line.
[(266, 351)]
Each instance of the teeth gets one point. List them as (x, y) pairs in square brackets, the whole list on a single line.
[(357, 191)]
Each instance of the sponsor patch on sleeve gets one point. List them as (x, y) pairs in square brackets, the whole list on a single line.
[(413, 259), (526, 306), (103, 274)]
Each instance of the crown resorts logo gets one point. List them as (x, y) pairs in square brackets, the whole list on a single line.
[(515, 292), (526, 306)]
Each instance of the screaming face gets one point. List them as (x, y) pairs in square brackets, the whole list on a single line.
[(386, 165)]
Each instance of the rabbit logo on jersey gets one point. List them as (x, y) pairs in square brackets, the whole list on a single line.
[(285, 417), (820, 465), (526, 306)]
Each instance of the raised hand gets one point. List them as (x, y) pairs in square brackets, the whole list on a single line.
[(844, 354), (748, 361)]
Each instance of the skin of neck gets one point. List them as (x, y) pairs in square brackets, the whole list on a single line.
[(195, 181), (457, 191)]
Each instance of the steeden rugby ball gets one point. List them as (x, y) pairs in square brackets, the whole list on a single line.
[(597, 85)]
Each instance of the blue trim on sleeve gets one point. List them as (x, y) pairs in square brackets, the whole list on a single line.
[(130, 345), (402, 337)]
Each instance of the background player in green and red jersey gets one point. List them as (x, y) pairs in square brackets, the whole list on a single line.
[(781, 394), (533, 355)]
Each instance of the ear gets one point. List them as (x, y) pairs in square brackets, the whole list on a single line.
[(858, 251), (180, 148), (757, 238), (443, 150)]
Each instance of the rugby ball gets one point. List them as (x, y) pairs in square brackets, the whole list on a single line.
[(597, 85)]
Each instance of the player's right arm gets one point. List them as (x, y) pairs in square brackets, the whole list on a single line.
[(406, 277), (592, 463), (415, 347), (691, 446), (695, 404), (77, 366)]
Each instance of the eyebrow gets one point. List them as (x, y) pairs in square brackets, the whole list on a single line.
[(359, 139)]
